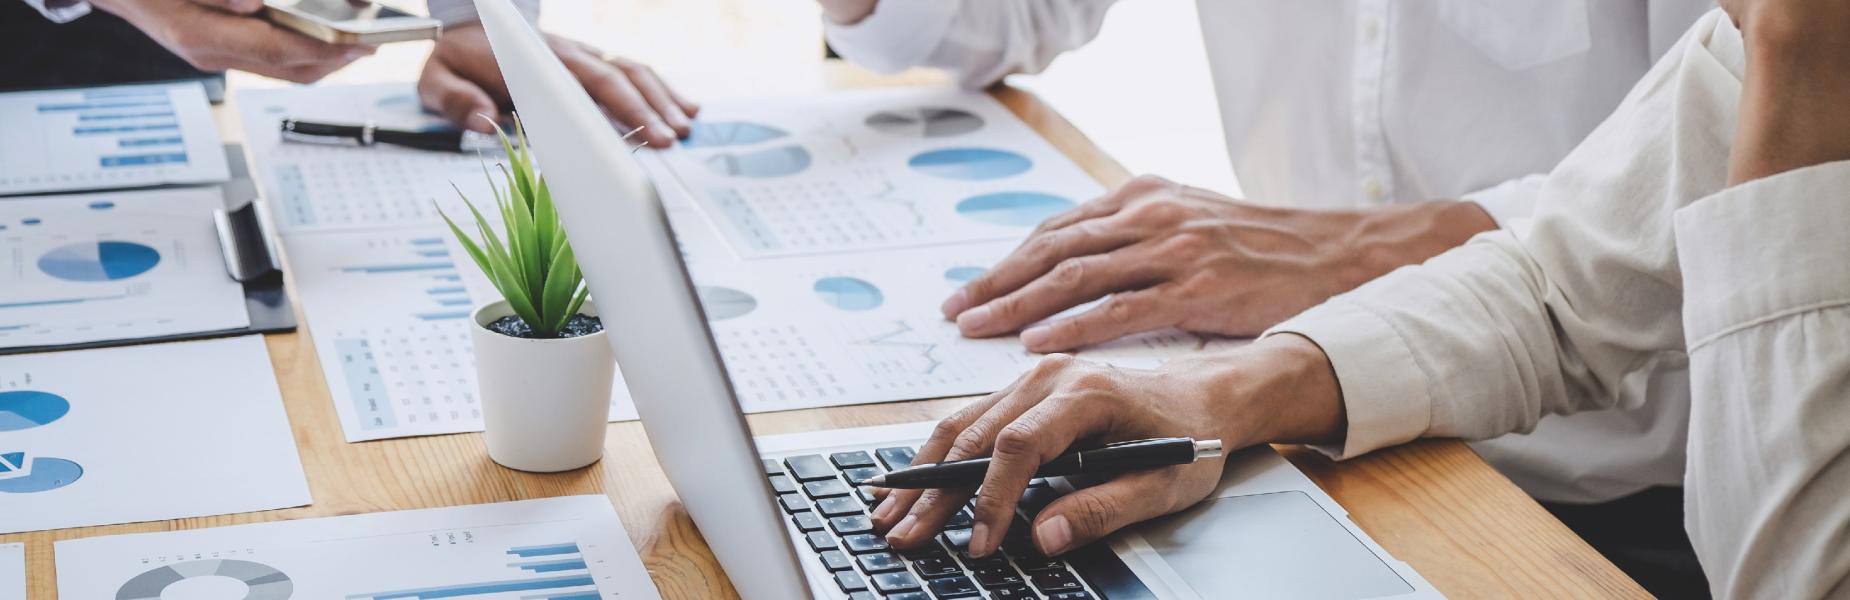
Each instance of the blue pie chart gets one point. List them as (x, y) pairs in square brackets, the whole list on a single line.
[(99, 261), (963, 275), (770, 162), (714, 134), (1014, 209), (848, 293), (47, 474), (25, 409), (970, 164)]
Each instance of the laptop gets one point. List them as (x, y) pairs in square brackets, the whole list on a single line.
[(783, 513)]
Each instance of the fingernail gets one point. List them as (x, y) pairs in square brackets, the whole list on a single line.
[(1054, 535), (974, 319), (955, 304), (1036, 337), (979, 541), (885, 509), (904, 528)]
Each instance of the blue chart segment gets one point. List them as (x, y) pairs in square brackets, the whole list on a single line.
[(848, 293), (1015, 209), (723, 303), (263, 581), (925, 122), (970, 164), (47, 474), (99, 261), (26, 409), (556, 570), (771, 162), (962, 275), (715, 134)]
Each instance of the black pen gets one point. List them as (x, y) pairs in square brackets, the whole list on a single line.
[(1135, 455), (443, 140)]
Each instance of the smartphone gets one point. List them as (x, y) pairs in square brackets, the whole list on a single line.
[(351, 22)]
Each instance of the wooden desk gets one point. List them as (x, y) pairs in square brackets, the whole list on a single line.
[(1434, 504)]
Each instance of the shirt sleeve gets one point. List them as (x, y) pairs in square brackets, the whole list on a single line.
[(60, 11), (978, 41), (1512, 202), (1766, 277), (456, 12)]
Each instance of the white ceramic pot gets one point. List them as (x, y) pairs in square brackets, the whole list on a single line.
[(544, 402)]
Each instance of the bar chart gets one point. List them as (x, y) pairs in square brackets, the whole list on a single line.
[(109, 137)]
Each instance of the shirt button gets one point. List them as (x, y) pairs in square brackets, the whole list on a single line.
[(1372, 187), (1370, 29)]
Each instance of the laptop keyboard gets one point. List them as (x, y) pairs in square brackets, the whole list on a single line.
[(820, 495)]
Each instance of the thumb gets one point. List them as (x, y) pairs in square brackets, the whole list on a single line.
[(457, 99), (1086, 515)]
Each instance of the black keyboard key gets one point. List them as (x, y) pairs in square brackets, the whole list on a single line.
[(1037, 564), (896, 458), (1070, 596), (859, 475), (955, 586), (863, 596), (850, 581), (958, 540), (1020, 592), (836, 560), (929, 549), (850, 460), (792, 503), (880, 562), (820, 541), (825, 489), (909, 596), (782, 484), (937, 566), (771, 467), (1033, 500), (999, 576), (959, 520), (1056, 581), (807, 521), (838, 507), (866, 497), (987, 563), (810, 467), (864, 543), (893, 583), (851, 525)]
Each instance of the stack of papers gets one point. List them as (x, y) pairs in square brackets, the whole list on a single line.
[(109, 138)]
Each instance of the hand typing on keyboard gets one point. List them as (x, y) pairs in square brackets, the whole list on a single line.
[(1244, 397)]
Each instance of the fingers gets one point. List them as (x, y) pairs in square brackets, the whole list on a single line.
[(1108, 204), (613, 90), (1072, 282), (1021, 447), (457, 99), (666, 104), (1033, 259), (898, 503), (257, 46), (1086, 515), (1124, 313)]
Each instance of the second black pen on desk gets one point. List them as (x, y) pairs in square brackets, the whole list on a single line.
[(1135, 455)]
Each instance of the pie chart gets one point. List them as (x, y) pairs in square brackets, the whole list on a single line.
[(772, 162), (26, 409), (1015, 209), (848, 293), (925, 122), (962, 275), (99, 261), (723, 303), (729, 133), (263, 581), (47, 474), (971, 164)]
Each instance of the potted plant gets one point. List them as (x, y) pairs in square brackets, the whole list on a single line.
[(541, 359)]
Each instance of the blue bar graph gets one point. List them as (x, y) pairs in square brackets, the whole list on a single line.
[(548, 550), (100, 129), (454, 289), (548, 566), (172, 140), (399, 268), (443, 316), (427, 242), (121, 116), (437, 253), (70, 106), (14, 327), (125, 92), (464, 301), (566, 596), (446, 277), (59, 301), (492, 587), (142, 160)]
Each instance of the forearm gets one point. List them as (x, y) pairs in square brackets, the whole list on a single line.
[(846, 12), (1794, 100)]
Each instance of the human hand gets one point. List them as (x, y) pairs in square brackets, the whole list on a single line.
[(215, 35), (1169, 255), (847, 12), (1278, 389), (1793, 97), (461, 80)]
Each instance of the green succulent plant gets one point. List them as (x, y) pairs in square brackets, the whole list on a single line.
[(530, 262)]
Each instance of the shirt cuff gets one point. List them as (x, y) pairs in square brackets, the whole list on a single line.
[(1768, 247), (1512, 202), (1385, 393), (900, 34), (457, 12), (60, 11)]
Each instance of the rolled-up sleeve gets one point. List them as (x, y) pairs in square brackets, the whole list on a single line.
[(60, 11), (978, 41), (1766, 275)]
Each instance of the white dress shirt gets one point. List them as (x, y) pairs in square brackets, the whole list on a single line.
[(1643, 273), (1341, 104)]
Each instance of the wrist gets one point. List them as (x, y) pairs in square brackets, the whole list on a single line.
[(1383, 239), (1279, 389)]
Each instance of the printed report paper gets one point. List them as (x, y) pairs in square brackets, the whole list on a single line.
[(109, 138), (13, 571)]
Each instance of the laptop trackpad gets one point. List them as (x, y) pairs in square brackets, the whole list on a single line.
[(1280, 545)]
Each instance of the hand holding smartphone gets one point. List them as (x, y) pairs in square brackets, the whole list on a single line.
[(351, 21)]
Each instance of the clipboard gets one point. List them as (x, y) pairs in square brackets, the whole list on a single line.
[(249, 249)]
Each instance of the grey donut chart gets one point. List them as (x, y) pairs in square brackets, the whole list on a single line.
[(266, 583)]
